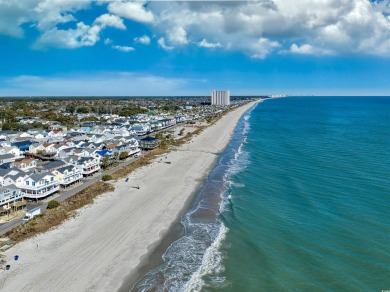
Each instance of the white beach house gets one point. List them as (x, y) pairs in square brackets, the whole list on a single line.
[(68, 175), (40, 185), (88, 165)]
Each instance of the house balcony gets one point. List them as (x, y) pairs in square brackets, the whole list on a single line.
[(6, 199), (40, 193), (70, 179), (134, 151), (40, 186), (91, 169)]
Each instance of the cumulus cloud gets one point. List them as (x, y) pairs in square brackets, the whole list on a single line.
[(145, 40), (260, 48), (177, 35), (134, 10), (125, 49), (304, 49), (82, 35), (42, 14), (257, 28), (110, 20), (46, 16), (49, 13)]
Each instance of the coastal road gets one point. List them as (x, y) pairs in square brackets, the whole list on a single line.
[(64, 194), (85, 182)]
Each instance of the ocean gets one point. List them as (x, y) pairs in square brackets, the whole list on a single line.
[(299, 201)]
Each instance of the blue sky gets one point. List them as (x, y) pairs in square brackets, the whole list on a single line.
[(84, 47)]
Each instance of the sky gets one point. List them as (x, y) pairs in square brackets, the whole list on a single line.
[(173, 48)]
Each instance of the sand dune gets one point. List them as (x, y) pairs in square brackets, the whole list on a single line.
[(98, 248)]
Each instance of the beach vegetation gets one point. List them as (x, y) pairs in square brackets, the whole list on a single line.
[(54, 217), (123, 155), (106, 177), (145, 160), (159, 136), (52, 204)]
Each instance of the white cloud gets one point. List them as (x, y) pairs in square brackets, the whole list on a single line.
[(260, 48), (145, 40), (313, 26), (107, 41), (125, 49), (177, 35), (110, 20), (97, 84), (47, 15), (161, 42), (205, 44), (304, 49), (134, 10), (44, 14), (323, 26), (82, 35), (52, 12)]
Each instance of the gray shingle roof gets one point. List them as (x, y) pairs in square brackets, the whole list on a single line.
[(6, 156), (38, 176), (53, 164), (68, 167)]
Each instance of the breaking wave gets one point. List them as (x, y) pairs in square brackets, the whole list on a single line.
[(195, 260)]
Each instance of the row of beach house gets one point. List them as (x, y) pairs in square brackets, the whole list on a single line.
[(38, 163)]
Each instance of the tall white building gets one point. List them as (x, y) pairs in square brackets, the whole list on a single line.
[(220, 97)]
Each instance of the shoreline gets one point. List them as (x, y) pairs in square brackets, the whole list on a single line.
[(154, 256), (123, 232)]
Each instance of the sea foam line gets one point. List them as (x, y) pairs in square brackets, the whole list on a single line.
[(212, 259), (211, 262), (189, 262)]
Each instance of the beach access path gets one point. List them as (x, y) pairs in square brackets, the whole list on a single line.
[(105, 242)]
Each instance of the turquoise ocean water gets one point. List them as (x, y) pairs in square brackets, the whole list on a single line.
[(298, 202)]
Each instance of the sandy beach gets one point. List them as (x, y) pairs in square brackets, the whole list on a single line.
[(96, 250)]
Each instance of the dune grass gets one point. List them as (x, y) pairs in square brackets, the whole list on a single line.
[(54, 217)]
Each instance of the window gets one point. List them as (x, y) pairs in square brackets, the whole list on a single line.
[(52, 179), (33, 183), (27, 183)]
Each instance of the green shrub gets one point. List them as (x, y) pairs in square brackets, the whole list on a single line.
[(106, 177), (52, 204)]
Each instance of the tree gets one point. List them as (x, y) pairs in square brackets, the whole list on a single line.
[(82, 110), (130, 111), (105, 162), (70, 108), (123, 155)]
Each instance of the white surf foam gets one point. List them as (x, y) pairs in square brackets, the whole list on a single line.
[(211, 264)]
